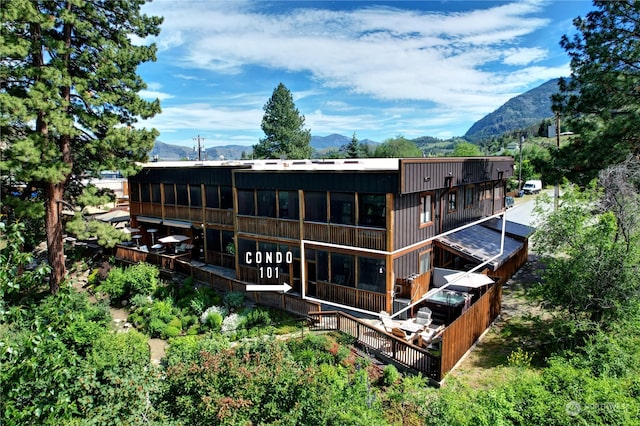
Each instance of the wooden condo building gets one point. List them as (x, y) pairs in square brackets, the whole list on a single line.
[(368, 235), (358, 233)]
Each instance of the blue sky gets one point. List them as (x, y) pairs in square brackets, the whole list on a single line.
[(379, 69)]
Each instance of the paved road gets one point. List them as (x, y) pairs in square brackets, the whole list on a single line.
[(523, 213)]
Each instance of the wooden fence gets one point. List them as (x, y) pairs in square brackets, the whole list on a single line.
[(465, 331), (383, 345)]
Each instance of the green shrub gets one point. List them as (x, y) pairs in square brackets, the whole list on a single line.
[(156, 327), (214, 321), (233, 300), (390, 375), (140, 300), (519, 358), (257, 317), (176, 322), (115, 285), (162, 309), (170, 331), (193, 330)]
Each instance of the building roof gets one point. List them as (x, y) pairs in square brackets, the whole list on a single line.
[(481, 243), (392, 164), (512, 228)]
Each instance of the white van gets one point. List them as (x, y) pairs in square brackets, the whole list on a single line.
[(532, 186)]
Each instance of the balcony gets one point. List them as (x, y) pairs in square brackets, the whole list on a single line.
[(355, 236)]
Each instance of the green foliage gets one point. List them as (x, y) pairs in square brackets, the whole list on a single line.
[(390, 375), (600, 99), (15, 278), (283, 127), (466, 149), (72, 93), (398, 147), (214, 321), (138, 279), (519, 358), (233, 300)]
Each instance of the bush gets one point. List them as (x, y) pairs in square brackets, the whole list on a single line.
[(170, 331), (233, 300), (136, 279), (390, 375), (257, 317), (214, 321)]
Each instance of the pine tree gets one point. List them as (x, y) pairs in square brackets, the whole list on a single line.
[(353, 148), (69, 99), (284, 129), (600, 100)]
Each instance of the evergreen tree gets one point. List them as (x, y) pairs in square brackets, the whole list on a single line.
[(353, 148), (69, 99), (601, 100), (284, 129)]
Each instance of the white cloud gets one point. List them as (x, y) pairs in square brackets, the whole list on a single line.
[(154, 94)]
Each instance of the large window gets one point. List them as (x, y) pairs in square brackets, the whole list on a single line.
[(322, 265), (315, 206), (155, 193), (211, 193), (169, 194), (371, 210), (452, 201), (288, 207), (469, 195), (371, 274), (145, 195), (134, 190), (182, 196), (343, 208), (226, 197), (246, 202), (196, 195), (213, 240), (342, 269), (426, 209), (267, 203)]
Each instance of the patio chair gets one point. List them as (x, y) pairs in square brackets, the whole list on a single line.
[(387, 322), (424, 317), (398, 332)]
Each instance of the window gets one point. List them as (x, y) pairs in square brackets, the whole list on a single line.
[(211, 193), (213, 240), (342, 208), (246, 203), (226, 197), (322, 265), (315, 206), (342, 269), (288, 207), (135, 192), (425, 262), (426, 209), (145, 195), (196, 195), (469, 194), (155, 193), (182, 196), (267, 203), (371, 274), (371, 210), (169, 195), (452, 198)]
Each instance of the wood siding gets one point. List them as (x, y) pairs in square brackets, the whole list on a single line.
[(428, 174)]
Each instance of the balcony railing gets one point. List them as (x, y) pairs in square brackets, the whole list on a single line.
[(363, 299), (267, 226), (355, 236)]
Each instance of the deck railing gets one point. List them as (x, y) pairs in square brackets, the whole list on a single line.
[(355, 236), (363, 299), (219, 216), (381, 343), (268, 226)]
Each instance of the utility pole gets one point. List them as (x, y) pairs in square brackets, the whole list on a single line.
[(556, 191), (198, 139), (520, 166)]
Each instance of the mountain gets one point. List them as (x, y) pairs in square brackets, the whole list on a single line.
[(522, 111)]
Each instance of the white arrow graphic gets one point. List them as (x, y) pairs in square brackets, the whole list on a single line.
[(269, 287)]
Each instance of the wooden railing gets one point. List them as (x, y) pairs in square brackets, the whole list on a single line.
[(164, 261), (219, 216), (363, 299), (370, 238), (145, 209), (282, 228), (382, 344)]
